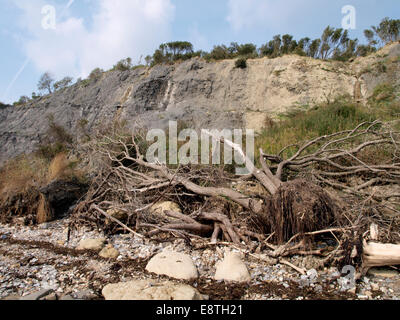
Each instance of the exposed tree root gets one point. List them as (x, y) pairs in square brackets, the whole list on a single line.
[(283, 223)]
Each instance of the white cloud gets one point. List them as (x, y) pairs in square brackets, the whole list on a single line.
[(119, 29), (260, 13)]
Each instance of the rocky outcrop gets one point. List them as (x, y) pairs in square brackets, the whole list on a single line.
[(206, 95)]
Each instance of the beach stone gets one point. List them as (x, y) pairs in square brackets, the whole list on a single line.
[(109, 252), (232, 268), (374, 287), (91, 244), (150, 290), (173, 264)]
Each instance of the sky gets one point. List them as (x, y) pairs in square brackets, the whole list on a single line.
[(73, 37)]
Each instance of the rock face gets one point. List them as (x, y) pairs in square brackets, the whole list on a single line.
[(150, 290), (206, 95), (173, 264), (91, 244), (232, 268)]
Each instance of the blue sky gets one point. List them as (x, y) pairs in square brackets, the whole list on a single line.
[(98, 33)]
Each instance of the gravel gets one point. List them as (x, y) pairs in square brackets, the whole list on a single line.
[(39, 258)]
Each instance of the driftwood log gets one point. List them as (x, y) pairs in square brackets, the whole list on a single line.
[(379, 254)]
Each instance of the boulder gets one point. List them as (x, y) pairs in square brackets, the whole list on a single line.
[(173, 264), (232, 268), (91, 244), (150, 290), (109, 252), (160, 207)]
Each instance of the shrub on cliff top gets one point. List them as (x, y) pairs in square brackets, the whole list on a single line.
[(241, 63)]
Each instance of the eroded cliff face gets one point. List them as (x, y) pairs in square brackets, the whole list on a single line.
[(204, 95)]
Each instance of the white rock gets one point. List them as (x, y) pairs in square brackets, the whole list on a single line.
[(232, 268), (91, 244), (150, 290), (173, 264)]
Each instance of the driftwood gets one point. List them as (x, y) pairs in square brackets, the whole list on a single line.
[(379, 254), (289, 213)]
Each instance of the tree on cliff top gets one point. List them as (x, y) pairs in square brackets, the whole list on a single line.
[(46, 82)]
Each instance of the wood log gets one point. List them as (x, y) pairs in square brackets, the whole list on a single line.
[(379, 254)]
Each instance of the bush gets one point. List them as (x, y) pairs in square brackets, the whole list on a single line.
[(241, 63), (383, 93), (65, 82), (300, 125), (96, 74), (57, 141), (23, 100), (123, 65)]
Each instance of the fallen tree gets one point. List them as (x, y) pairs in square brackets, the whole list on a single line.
[(282, 220)]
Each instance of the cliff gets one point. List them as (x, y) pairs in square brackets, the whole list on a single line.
[(209, 95)]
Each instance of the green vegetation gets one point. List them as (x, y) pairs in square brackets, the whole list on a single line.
[(22, 101), (171, 52), (241, 63), (96, 74), (123, 65), (46, 82), (387, 31), (384, 93), (333, 44), (65, 82), (57, 140), (341, 114)]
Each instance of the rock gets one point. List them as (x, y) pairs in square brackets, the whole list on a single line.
[(368, 294), (85, 295), (374, 287), (160, 207), (352, 290), (117, 214), (91, 244), (37, 295), (173, 264), (109, 252), (232, 268), (384, 273), (67, 297), (50, 297), (150, 290)]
